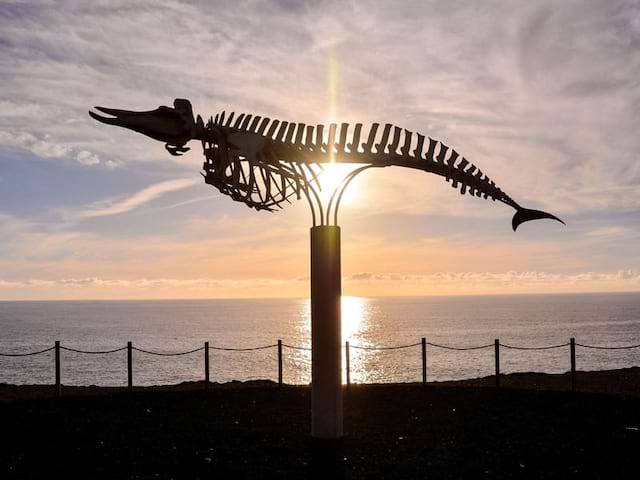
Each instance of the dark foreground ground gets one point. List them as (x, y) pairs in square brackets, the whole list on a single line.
[(531, 429)]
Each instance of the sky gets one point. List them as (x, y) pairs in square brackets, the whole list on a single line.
[(543, 96)]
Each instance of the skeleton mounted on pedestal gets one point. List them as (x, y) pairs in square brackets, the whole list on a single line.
[(263, 162)]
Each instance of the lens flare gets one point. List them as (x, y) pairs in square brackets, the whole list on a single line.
[(333, 92)]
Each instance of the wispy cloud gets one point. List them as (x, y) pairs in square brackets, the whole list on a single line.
[(193, 200), (136, 200), (611, 231)]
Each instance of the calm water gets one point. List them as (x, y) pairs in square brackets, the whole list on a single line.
[(173, 326)]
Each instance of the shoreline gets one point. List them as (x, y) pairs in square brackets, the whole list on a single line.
[(623, 381)]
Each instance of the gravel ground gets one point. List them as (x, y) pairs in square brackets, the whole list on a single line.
[(531, 429)]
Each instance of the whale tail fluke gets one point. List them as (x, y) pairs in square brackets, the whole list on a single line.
[(525, 214)]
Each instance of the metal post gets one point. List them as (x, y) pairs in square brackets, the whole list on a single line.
[(496, 343), (129, 366), (280, 362), (326, 351), (572, 347), (424, 360), (346, 356), (206, 364), (57, 363)]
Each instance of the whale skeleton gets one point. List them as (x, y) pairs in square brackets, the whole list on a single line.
[(264, 162)]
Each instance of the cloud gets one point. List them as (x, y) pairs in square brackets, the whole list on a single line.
[(136, 200), (105, 288), (391, 283), (44, 148), (609, 231), (539, 95), (504, 279), (87, 158), (360, 276), (149, 283), (193, 200), (543, 96)]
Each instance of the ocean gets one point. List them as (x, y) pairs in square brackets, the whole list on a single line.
[(171, 326)]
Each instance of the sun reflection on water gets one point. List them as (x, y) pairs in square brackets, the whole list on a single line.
[(353, 310), (356, 313)]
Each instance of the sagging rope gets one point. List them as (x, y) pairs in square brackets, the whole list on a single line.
[(26, 354), (513, 347), (162, 354), (93, 352), (396, 347), (607, 348), (446, 347)]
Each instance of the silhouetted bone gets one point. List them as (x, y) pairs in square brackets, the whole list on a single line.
[(228, 124), (407, 143), (395, 141), (272, 129), (319, 138), (254, 124), (299, 134), (431, 150), (331, 140), (308, 140), (289, 136), (353, 145), (263, 126), (417, 152), (280, 135), (368, 146), (382, 145), (344, 129), (239, 121)]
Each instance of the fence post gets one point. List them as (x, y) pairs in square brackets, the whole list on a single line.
[(496, 344), (129, 366), (347, 358), (572, 347), (57, 363), (280, 363), (206, 364), (424, 360)]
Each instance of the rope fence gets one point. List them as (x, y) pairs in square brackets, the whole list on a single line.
[(347, 346)]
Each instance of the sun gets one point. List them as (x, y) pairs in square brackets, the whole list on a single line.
[(331, 177)]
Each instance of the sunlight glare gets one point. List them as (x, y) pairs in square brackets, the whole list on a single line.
[(331, 178), (333, 92), (334, 173)]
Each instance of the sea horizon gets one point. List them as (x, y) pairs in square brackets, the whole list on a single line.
[(465, 295)]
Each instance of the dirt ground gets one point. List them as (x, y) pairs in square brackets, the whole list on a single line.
[(533, 427)]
